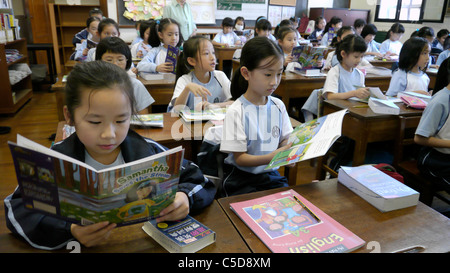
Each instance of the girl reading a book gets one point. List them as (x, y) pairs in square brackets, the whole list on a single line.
[(114, 50), (198, 84), (100, 103), (319, 28), (287, 39), (140, 49), (93, 38), (335, 24), (392, 45), (256, 126), (413, 62), (163, 33)]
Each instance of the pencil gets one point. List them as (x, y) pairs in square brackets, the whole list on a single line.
[(306, 208), (361, 106)]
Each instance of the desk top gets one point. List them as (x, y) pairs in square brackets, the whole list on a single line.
[(363, 110), (394, 230), (133, 239)]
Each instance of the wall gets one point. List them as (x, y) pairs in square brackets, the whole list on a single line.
[(409, 28)]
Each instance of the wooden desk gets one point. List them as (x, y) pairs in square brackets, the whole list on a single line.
[(293, 85), (386, 64), (160, 90), (395, 230), (364, 126), (133, 239), (224, 53)]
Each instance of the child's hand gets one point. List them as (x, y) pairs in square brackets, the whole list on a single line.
[(92, 235), (134, 70), (199, 91), (282, 148), (85, 51), (362, 93), (139, 54), (178, 210), (288, 59), (202, 105), (165, 67)]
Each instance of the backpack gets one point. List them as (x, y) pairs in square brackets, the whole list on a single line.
[(389, 170)]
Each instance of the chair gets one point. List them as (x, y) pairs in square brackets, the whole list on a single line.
[(406, 164)]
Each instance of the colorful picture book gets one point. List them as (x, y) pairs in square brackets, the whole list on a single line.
[(183, 236), (56, 184), (152, 120), (379, 189), (331, 34), (308, 56), (310, 139), (216, 113), (171, 57), (288, 223)]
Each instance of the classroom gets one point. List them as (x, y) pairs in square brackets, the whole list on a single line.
[(243, 126)]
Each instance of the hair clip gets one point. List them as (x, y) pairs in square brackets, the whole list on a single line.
[(157, 22), (262, 17)]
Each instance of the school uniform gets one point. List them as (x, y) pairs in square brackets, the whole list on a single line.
[(442, 56), (78, 55), (141, 95), (372, 46), (316, 33), (256, 130), (407, 81), (435, 122), (338, 80), (229, 38), (154, 57), (324, 41), (49, 233), (136, 40), (140, 47), (436, 44), (82, 35), (218, 85), (391, 46)]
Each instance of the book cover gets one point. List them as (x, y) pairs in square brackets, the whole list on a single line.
[(310, 139), (56, 184), (216, 113), (152, 120), (183, 236), (380, 106), (308, 56), (171, 57), (379, 189), (331, 35), (286, 225)]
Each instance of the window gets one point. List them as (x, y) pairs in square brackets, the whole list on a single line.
[(411, 11)]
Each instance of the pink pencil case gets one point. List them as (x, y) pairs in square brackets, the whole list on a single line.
[(413, 102)]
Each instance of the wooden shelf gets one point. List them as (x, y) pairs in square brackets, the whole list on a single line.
[(22, 89), (66, 21)]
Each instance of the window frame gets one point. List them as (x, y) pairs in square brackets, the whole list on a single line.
[(420, 21)]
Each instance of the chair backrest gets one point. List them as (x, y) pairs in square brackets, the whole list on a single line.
[(405, 136)]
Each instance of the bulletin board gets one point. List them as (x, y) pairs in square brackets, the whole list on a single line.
[(130, 11)]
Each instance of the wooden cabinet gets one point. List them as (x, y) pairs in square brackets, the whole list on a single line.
[(348, 16), (13, 96), (66, 21)]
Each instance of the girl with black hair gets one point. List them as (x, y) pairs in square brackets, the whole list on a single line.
[(412, 64), (140, 49), (392, 45), (163, 33), (368, 33), (257, 125), (335, 23)]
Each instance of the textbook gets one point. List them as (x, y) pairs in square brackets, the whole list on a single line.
[(379, 189), (56, 184), (310, 139), (152, 120), (308, 56), (171, 57), (183, 236), (331, 34), (286, 222), (380, 106), (216, 113)]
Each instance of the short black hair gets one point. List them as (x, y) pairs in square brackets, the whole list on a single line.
[(239, 18), (113, 45), (351, 43), (442, 32), (425, 32), (95, 11), (144, 26), (90, 20), (105, 22), (369, 29), (359, 23), (227, 22), (263, 24)]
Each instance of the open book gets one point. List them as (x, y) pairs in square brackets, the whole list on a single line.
[(308, 56), (152, 120), (59, 185), (215, 113), (311, 139)]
